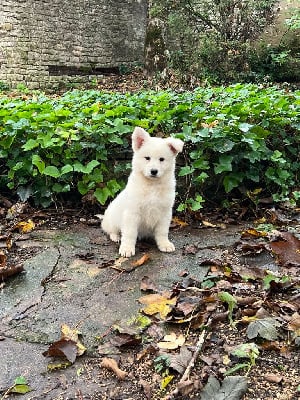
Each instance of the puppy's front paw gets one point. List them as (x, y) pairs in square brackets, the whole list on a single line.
[(126, 250), (166, 246), (115, 237)]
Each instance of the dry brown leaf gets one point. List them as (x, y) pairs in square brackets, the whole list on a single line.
[(141, 261), (67, 346), (3, 260), (147, 284), (72, 334), (111, 364), (178, 222), (287, 249), (273, 378), (64, 348), (294, 324), (10, 270), (171, 341)]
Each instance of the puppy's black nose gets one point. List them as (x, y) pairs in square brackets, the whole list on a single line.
[(154, 172)]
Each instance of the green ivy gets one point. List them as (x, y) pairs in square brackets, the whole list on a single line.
[(241, 137)]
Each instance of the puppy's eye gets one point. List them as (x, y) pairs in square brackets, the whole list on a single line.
[(161, 159), (147, 158)]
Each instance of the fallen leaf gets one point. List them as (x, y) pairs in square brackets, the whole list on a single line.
[(3, 260), (179, 362), (294, 324), (273, 378), (190, 249), (253, 233), (126, 340), (178, 222), (69, 345), (25, 226), (232, 388), (54, 366), (141, 261), (166, 381), (107, 349), (111, 364), (265, 328), (20, 386), (146, 351), (147, 284), (158, 304), (187, 305), (186, 387), (8, 270), (9, 242), (117, 264), (15, 210), (171, 341), (72, 334), (63, 348), (226, 359), (287, 249)]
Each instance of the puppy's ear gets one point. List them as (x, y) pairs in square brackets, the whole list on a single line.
[(176, 145), (139, 136)]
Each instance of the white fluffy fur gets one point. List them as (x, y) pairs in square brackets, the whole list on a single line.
[(144, 207)]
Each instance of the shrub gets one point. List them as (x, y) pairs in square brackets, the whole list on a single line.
[(213, 38), (240, 137)]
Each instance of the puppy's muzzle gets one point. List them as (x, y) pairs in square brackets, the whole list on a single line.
[(154, 172)]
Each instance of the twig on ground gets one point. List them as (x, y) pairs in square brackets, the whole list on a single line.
[(192, 362)]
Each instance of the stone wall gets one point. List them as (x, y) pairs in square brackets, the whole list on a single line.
[(47, 42)]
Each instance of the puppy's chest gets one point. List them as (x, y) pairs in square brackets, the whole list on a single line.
[(156, 199)]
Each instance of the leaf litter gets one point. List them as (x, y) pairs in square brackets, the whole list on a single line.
[(193, 317), (194, 312)]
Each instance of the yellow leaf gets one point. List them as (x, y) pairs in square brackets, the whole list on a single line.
[(177, 221), (72, 334), (165, 382), (226, 360), (156, 303), (210, 125), (25, 227), (254, 232), (58, 365)]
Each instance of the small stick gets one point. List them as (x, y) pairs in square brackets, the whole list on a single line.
[(192, 362)]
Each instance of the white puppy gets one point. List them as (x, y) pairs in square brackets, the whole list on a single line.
[(144, 207)]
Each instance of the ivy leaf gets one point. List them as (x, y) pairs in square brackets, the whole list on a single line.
[(186, 170), (30, 144), (38, 162), (52, 171), (244, 127), (20, 386), (265, 328), (225, 164)]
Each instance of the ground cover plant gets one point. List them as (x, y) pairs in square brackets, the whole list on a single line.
[(239, 140)]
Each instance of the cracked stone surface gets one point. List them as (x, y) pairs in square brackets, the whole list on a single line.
[(67, 282)]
